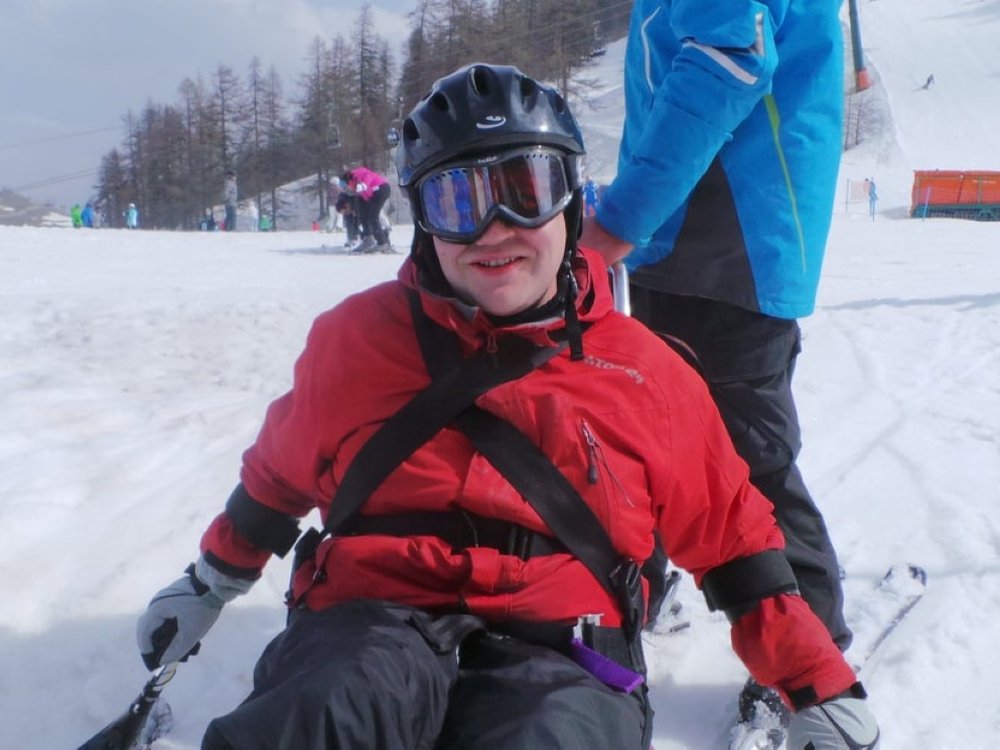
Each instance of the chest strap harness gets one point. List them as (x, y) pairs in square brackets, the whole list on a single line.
[(462, 529), (450, 399)]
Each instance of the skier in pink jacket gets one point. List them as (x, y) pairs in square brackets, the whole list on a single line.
[(373, 191)]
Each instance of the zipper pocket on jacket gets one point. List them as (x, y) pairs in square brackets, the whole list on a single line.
[(596, 460)]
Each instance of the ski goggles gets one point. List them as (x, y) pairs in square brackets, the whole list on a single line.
[(526, 187)]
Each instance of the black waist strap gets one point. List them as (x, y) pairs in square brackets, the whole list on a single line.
[(460, 529), (614, 643)]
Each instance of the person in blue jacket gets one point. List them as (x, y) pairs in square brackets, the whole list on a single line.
[(87, 215), (722, 203), (589, 197)]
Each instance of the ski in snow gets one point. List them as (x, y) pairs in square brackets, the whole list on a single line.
[(876, 615), (342, 250)]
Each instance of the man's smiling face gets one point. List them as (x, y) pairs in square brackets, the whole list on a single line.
[(509, 269)]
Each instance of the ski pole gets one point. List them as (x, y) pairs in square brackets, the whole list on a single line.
[(124, 732), (619, 288)]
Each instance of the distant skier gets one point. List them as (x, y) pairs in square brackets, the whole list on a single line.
[(373, 191), (347, 207), (589, 197), (87, 215), (333, 191), (252, 216), (132, 216), (207, 223), (230, 196), (76, 216), (929, 82)]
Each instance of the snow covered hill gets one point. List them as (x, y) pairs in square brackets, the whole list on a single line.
[(16, 210), (136, 366), (949, 125)]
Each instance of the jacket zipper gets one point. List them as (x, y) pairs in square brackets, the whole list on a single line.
[(596, 459), (492, 347), (591, 454)]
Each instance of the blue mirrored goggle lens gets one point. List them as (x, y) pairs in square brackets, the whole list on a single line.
[(460, 201)]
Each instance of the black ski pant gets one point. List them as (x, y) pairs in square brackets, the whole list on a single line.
[(748, 360), (351, 227), (371, 674), (370, 214), (347, 205)]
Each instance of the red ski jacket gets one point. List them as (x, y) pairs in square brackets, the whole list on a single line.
[(631, 426)]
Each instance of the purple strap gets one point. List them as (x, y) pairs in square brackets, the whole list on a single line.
[(611, 673)]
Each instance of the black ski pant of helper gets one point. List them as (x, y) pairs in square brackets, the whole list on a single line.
[(347, 206), (748, 360), (351, 226), (372, 675), (372, 226)]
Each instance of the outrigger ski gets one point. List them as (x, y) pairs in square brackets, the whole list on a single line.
[(145, 721)]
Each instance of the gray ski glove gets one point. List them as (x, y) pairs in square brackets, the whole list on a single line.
[(841, 723), (180, 615)]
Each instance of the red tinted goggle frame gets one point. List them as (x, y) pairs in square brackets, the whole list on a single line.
[(526, 187)]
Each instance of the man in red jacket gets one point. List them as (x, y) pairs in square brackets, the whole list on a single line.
[(453, 604)]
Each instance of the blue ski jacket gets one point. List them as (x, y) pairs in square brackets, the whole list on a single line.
[(730, 149)]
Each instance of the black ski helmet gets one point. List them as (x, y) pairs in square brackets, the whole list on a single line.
[(480, 108)]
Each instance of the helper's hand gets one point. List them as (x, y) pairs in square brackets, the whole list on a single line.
[(180, 615), (598, 238), (841, 723)]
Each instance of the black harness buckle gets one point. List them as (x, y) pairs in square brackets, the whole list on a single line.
[(626, 581)]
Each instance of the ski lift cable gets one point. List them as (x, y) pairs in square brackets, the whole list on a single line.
[(51, 138), (56, 180)]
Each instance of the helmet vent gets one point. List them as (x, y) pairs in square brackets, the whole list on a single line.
[(480, 77), (528, 88), (410, 131), (440, 102)]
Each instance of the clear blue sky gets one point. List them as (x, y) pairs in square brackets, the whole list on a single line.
[(82, 64)]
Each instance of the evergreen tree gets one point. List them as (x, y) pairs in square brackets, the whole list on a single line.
[(113, 189), (173, 158), (374, 97), (277, 144), (316, 120), (418, 65), (230, 109), (251, 174)]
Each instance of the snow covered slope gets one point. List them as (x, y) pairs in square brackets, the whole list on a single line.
[(136, 366)]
